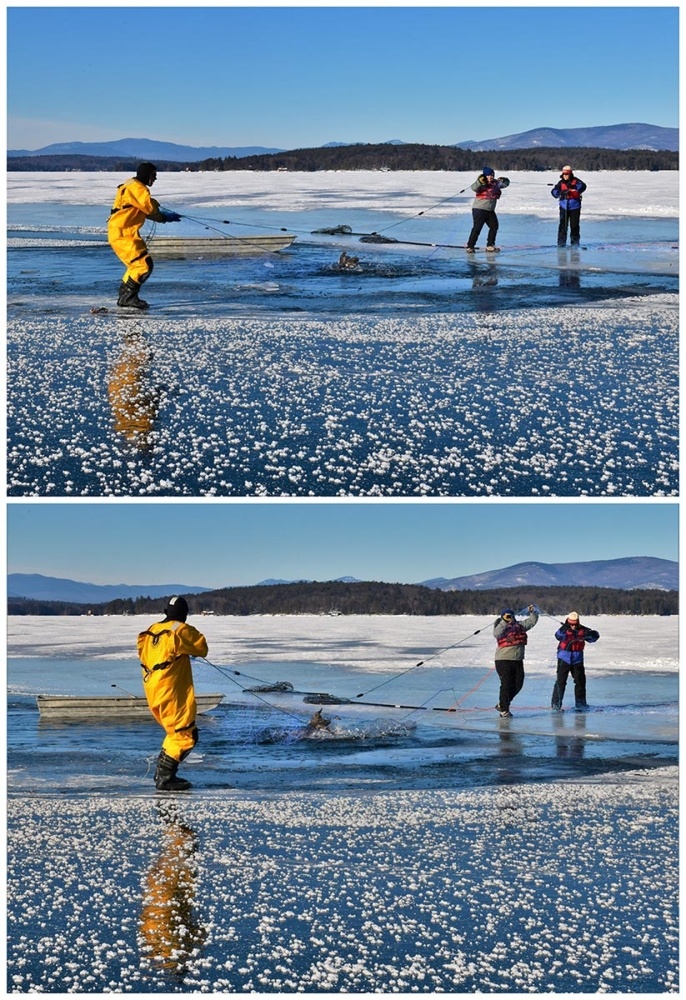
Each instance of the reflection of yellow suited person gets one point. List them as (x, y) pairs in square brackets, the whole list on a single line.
[(165, 650), (133, 206), (168, 924), (134, 403)]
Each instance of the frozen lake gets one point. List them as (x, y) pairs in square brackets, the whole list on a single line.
[(427, 857), (420, 372)]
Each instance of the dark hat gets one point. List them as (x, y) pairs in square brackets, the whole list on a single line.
[(176, 609), (488, 172), (507, 611), (146, 173)]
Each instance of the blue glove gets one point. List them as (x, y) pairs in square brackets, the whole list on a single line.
[(170, 216)]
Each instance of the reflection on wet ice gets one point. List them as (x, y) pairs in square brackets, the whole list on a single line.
[(570, 742), (134, 399), (170, 932), (570, 275)]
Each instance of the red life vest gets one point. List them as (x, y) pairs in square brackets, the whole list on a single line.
[(574, 640), (514, 635), (489, 193), (568, 189)]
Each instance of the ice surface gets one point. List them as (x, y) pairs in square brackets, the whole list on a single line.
[(419, 373), (610, 194), (365, 643), (370, 661), (561, 889), (390, 858)]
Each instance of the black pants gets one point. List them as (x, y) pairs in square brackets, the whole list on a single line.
[(578, 675), (569, 218), (481, 218), (511, 674)]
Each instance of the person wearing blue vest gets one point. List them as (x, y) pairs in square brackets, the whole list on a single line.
[(511, 637), (572, 636), (487, 188), (569, 190)]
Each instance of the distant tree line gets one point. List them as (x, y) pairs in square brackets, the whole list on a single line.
[(68, 162), (414, 156), (380, 156), (378, 599)]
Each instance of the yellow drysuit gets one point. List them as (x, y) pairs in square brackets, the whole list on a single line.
[(165, 651), (133, 205)]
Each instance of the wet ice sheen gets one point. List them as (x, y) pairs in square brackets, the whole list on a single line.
[(551, 403), (564, 889)]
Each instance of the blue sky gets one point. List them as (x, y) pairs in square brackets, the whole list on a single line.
[(302, 76), (233, 544)]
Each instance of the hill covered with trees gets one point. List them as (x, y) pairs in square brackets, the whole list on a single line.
[(380, 156), (378, 599)]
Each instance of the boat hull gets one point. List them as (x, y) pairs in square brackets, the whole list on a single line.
[(67, 707), (190, 248)]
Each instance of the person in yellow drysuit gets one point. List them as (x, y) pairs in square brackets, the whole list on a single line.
[(133, 206), (164, 651)]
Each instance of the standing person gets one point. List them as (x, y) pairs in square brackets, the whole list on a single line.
[(133, 206), (488, 188), (509, 656), (572, 637), (164, 651), (569, 190)]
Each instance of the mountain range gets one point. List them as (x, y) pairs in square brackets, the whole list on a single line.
[(632, 135), (639, 572), (632, 573), (35, 587), (143, 149)]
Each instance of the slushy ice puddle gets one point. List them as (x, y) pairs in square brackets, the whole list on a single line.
[(258, 741)]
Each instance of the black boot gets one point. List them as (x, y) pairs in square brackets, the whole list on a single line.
[(165, 775), (128, 295)]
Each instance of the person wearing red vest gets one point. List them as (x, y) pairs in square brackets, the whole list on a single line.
[(569, 190), (571, 638), (487, 188), (511, 637)]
